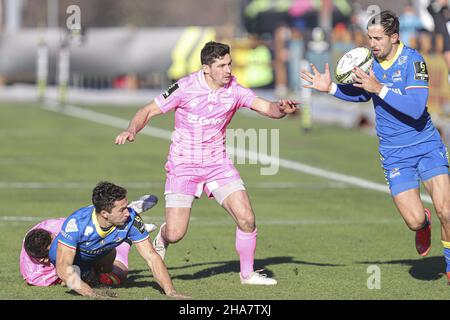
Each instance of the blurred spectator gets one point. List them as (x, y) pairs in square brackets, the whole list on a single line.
[(440, 11), (318, 48), (409, 25), (357, 25), (342, 12), (304, 15), (262, 17)]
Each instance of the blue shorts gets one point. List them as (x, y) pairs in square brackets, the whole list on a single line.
[(405, 167)]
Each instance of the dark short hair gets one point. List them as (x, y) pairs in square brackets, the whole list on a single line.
[(388, 20), (212, 51), (105, 194), (36, 243)]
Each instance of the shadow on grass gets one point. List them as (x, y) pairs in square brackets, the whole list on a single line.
[(218, 267), (426, 269)]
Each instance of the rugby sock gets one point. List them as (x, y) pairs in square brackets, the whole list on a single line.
[(426, 223), (111, 278), (246, 246), (447, 254)]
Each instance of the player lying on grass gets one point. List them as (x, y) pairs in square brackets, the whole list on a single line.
[(89, 237), (35, 265)]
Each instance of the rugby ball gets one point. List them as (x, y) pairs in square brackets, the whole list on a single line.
[(361, 57)]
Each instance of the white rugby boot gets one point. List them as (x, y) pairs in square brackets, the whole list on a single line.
[(256, 278), (159, 246)]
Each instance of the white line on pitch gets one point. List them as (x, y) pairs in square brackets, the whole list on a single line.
[(263, 158), (155, 185), (228, 221)]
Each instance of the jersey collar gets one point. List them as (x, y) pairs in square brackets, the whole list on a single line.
[(387, 64), (99, 230), (202, 80)]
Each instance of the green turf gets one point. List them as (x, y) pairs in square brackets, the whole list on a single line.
[(317, 239)]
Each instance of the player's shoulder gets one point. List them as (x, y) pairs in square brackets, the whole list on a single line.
[(412, 54), (189, 80), (49, 224), (80, 218), (136, 221), (182, 85), (235, 87)]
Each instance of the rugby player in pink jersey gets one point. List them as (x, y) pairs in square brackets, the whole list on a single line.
[(37, 270), (204, 104)]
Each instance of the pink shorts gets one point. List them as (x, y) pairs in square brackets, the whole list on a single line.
[(192, 179)]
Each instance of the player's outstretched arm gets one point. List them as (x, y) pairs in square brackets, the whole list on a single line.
[(274, 110), (318, 81), (158, 268), (322, 82), (139, 121)]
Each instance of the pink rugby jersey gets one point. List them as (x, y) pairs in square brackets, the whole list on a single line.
[(201, 117), (34, 273)]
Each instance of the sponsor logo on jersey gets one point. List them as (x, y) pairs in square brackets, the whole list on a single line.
[(203, 121), (88, 230), (72, 225), (397, 76), (402, 60), (420, 71), (170, 90), (94, 252), (66, 235)]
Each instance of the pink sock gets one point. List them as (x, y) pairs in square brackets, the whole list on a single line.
[(245, 246), (122, 253)]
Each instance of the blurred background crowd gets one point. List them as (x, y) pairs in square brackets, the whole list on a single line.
[(141, 44)]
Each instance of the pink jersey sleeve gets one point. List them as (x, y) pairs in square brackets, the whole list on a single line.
[(34, 273), (245, 96), (171, 98)]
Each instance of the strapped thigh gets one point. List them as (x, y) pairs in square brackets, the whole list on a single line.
[(176, 200), (221, 193)]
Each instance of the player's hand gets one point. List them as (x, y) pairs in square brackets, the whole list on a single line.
[(318, 81), (176, 295), (366, 81), (287, 106), (124, 137)]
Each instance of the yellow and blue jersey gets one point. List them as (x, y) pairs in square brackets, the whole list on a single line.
[(411, 149), (402, 118), (82, 232)]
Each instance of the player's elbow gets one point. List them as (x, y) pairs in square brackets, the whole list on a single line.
[(418, 110), (417, 115), (364, 98)]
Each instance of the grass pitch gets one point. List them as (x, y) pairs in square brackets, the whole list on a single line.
[(318, 237)]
